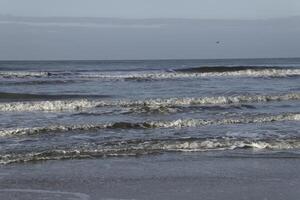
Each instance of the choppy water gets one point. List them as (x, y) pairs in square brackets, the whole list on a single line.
[(88, 109)]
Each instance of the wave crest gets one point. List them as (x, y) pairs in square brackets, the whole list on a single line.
[(150, 104), (23, 74), (148, 75), (140, 147), (178, 75), (180, 123)]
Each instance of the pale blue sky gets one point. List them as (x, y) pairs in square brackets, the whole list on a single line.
[(273, 30), (237, 9)]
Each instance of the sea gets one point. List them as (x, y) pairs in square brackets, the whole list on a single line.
[(54, 110)]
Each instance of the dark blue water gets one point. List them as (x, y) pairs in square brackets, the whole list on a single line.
[(89, 109)]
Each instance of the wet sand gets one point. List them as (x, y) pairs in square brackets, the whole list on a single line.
[(166, 176)]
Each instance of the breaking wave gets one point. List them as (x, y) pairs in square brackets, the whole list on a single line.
[(141, 147), (23, 74), (177, 75), (180, 123), (80, 104), (221, 69), (154, 75)]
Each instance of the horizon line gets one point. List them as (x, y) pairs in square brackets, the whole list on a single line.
[(149, 18)]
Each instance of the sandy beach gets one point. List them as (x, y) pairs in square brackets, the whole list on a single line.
[(166, 176)]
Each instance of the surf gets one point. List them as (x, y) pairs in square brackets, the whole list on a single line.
[(151, 146), (173, 124), (82, 104)]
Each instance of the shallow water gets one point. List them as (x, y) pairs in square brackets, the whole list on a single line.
[(87, 109)]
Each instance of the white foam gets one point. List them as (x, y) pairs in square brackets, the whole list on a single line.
[(154, 75), (230, 144), (180, 123), (176, 75), (73, 105), (136, 147), (22, 74), (47, 105), (220, 99), (200, 122)]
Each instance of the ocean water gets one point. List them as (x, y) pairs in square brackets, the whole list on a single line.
[(93, 109)]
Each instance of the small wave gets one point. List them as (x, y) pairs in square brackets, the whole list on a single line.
[(59, 105), (180, 123), (225, 69), (154, 75), (62, 105), (178, 75), (23, 74), (142, 147)]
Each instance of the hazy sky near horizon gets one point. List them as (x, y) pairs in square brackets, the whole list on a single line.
[(273, 30), (216, 9)]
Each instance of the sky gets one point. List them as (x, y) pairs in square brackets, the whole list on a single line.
[(237, 9), (148, 29)]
